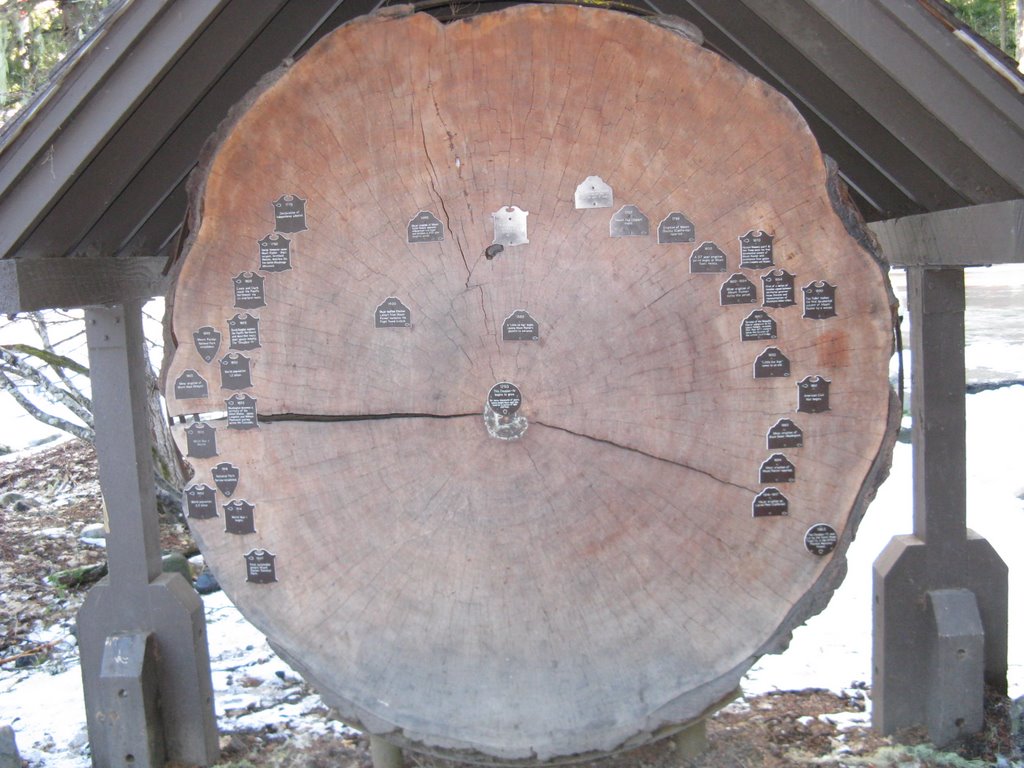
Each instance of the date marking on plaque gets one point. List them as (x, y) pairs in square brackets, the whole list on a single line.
[(242, 412), (706, 259), (770, 364), (239, 517), (289, 214), (190, 386), (758, 326), (275, 253), (756, 250), (629, 221), (779, 290), (235, 371), (424, 227), (225, 477), (812, 395), (249, 293), (244, 332), (738, 290), (777, 469), (819, 301), (392, 313), (200, 502), (785, 434), (676, 228), (770, 503), (505, 398), (520, 326), (201, 440), (260, 567), (207, 341), (821, 539)]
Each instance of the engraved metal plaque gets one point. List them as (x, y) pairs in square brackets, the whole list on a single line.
[(239, 517), (676, 228), (504, 398), (777, 469), (201, 440), (242, 412), (770, 364), (275, 253), (770, 503), (235, 371), (289, 214), (821, 539), (819, 301), (225, 477), (593, 192), (424, 227), (207, 340), (519, 326), (708, 258), (200, 502), (392, 313), (779, 290), (756, 250), (510, 226), (758, 326), (812, 395), (260, 567), (629, 221), (249, 293), (738, 290), (190, 386), (244, 332), (785, 434)]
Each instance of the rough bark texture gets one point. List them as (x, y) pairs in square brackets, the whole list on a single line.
[(602, 577)]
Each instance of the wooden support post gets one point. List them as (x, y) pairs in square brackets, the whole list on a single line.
[(129, 731), (385, 754), (136, 599)]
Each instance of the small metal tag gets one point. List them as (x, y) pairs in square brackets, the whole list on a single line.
[(510, 226), (201, 440), (392, 313), (738, 290), (676, 228), (819, 301), (777, 469), (424, 227), (821, 539), (275, 253), (289, 214), (242, 412), (770, 503), (235, 371), (239, 517), (629, 221), (771, 364), (225, 477), (244, 332), (200, 502), (593, 192), (756, 250), (758, 326), (812, 395), (207, 340), (778, 289), (504, 398), (260, 567), (190, 386), (249, 292), (785, 434), (519, 326), (707, 258)]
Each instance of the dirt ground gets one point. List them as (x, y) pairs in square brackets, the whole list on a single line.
[(47, 497)]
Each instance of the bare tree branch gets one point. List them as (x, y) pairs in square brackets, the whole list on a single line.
[(13, 364), (59, 366), (38, 414)]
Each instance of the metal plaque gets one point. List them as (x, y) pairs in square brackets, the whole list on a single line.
[(738, 290), (242, 412), (519, 326), (190, 386), (207, 341), (200, 502), (289, 214), (275, 253), (260, 567), (424, 227), (812, 395), (629, 221), (392, 313), (777, 469), (593, 192), (249, 293), (201, 440), (244, 332), (756, 250), (779, 290), (239, 517), (821, 539), (770, 503), (676, 228), (758, 326), (819, 301), (510, 226), (770, 364), (504, 398), (235, 371), (785, 434), (225, 477), (708, 258)]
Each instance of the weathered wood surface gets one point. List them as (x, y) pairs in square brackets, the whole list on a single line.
[(602, 577)]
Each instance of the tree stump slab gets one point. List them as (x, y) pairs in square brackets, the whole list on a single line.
[(532, 384)]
